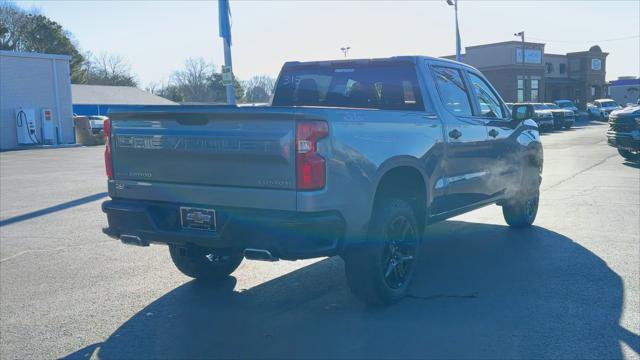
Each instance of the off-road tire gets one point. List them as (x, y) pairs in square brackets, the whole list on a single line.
[(521, 210), (202, 263), (369, 268), (629, 155)]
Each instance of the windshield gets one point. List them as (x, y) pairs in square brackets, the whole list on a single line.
[(564, 104), (389, 86), (552, 106), (609, 104), (540, 107)]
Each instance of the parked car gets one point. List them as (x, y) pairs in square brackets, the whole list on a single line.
[(601, 108), (561, 117), (569, 105), (624, 132), (319, 173), (543, 116), (96, 122)]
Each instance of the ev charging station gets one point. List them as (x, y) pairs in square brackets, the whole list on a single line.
[(48, 127), (26, 126)]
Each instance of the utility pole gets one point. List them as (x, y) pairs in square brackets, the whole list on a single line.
[(454, 3), (345, 50), (524, 76)]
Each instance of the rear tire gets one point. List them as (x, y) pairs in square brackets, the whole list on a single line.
[(629, 155), (202, 263), (567, 126), (379, 271)]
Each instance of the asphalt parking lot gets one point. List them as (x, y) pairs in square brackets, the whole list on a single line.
[(567, 288)]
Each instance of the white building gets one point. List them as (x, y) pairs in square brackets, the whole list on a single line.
[(39, 84)]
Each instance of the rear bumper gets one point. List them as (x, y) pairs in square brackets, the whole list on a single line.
[(623, 140), (287, 235)]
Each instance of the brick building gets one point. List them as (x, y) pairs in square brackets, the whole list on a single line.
[(578, 76)]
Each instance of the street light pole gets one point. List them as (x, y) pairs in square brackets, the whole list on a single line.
[(345, 50), (524, 76), (454, 3)]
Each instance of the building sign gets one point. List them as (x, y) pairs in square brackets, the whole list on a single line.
[(531, 56), (596, 64)]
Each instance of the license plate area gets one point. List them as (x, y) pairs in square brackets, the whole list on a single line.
[(198, 219)]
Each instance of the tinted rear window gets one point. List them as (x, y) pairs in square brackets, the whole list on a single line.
[(387, 86)]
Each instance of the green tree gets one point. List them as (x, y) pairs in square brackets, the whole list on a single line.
[(22, 31)]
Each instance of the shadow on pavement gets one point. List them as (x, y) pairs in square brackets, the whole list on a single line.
[(481, 291), (52, 209)]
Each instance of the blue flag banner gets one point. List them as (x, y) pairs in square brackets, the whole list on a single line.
[(224, 20)]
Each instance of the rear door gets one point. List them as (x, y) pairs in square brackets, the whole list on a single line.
[(465, 135), (500, 164)]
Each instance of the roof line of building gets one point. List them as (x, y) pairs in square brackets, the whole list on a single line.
[(503, 43), (34, 55)]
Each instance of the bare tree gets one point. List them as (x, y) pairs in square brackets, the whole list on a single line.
[(194, 80), (109, 69), (259, 88)]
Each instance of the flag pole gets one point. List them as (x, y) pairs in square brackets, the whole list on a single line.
[(231, 97), (225, 33)]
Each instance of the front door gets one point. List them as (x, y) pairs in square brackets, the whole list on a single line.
[(501, 165)]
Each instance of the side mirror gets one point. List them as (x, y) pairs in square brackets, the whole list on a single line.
[(521, 113)]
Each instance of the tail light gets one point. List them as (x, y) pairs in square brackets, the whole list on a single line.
[(310, 166), (106, 128)]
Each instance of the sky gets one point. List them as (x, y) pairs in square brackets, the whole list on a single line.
[(156, 37)]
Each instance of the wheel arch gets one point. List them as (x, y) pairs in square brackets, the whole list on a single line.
[(403, 179)]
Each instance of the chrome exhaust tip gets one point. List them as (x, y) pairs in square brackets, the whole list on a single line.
[(259, 254), (133, 240)]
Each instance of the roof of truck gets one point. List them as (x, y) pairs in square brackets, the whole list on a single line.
[(412, 58)]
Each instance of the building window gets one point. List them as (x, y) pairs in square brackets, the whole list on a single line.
[(593, 91), (563, 68), (520, 90), (549, 68), (534, 90)]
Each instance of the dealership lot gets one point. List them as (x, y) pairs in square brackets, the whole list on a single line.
[(567, 288)]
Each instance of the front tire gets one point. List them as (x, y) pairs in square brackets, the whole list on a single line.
[(557, 125), (629, 155), (567, 126), (202, 263), (522, 212), (379, 271)]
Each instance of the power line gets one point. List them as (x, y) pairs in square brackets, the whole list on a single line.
[(586, 41)]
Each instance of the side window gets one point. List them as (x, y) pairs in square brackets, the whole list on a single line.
[(487, 99), (453, 92)]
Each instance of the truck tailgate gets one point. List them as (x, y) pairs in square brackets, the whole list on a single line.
[(252, 148)]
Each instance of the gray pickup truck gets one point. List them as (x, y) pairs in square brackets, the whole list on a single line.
[(353, 158)]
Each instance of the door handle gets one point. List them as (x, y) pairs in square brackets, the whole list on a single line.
[(455, 133), (493, 133)]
